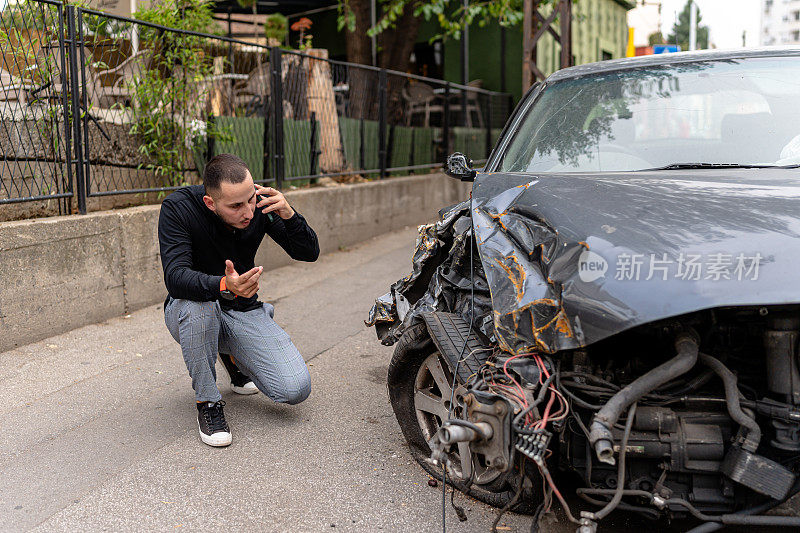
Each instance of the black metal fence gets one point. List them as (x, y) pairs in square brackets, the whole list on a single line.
[(94, 104)]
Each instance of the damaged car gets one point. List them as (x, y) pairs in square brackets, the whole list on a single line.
[(616, 308)]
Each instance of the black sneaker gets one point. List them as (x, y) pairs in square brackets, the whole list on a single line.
[(214, 431), (240, 384)]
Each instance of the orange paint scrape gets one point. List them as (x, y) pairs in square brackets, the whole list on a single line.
[(499, 219), (515, 275)]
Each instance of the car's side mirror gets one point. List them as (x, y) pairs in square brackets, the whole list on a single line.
[(459, 167)]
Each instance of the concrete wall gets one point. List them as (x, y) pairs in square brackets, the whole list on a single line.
[(61, 273)]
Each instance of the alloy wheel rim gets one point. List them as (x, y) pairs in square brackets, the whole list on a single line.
[(432, 393)]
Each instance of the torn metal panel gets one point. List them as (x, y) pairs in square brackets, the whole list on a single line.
[(439, 281), (533, 233), (517, 248)]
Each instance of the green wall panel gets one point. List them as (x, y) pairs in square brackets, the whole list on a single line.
[(247, 141), (470, 141), (349, 127), (370, 145), (401, 146), (297, 147), (422, 141), (426, 143), (351, 136)]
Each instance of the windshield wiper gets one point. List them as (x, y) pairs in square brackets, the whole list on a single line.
[(680, 166)]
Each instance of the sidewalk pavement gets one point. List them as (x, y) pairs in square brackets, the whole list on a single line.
[(99, 425)]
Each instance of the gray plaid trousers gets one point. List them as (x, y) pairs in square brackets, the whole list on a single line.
[(262, 350)]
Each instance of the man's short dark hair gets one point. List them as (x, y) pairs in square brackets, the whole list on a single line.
[(224, 167)]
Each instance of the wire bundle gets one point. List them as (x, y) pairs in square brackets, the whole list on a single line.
[(530, 427), (506, 385)]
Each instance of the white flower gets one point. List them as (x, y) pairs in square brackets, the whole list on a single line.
[(195, 131)]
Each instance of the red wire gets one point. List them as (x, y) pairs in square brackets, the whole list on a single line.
[(562, 407), (514, 381), (514, 392), (529, 416), (511, 393), (543, 422), (542, 367)]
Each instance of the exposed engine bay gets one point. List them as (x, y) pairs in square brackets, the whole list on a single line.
[(690, 416), (656, 433)]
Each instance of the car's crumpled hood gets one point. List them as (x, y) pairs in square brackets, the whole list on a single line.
[(536, 233)]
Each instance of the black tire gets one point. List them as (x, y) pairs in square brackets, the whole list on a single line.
[(413, 348)]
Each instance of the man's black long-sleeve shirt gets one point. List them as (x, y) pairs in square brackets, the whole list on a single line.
[(195, 243)]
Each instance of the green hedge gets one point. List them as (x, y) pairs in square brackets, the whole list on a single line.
[(247, 141)]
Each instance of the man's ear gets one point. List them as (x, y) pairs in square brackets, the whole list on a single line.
[(209, 203)]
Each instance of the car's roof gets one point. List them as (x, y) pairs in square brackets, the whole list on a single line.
[(670, 59)]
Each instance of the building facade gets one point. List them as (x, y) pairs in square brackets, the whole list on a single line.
[(780, 22), (645, 19), (599, 32)]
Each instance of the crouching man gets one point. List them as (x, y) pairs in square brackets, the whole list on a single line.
[(208, 235)]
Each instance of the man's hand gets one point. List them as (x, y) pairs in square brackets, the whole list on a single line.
[(273, 200), (245, 285)]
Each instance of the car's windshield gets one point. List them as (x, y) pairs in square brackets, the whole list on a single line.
[(725, 112)]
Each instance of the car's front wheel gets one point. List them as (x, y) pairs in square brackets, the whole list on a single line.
[(420, 390)]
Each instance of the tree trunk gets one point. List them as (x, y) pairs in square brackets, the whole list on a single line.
[(395, 47), (357, 43), (396, 44), (363, 82)]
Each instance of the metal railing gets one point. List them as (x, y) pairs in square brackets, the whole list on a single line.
[(110, 105), (35, 139)]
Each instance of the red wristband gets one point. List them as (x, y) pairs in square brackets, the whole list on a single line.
[(223, 286)]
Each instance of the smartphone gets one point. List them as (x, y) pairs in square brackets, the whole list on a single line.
[(269, 215)]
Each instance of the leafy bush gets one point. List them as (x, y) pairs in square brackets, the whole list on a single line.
[(276, 26), (169, 97)]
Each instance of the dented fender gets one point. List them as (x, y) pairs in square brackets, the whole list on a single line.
[(546, 272)]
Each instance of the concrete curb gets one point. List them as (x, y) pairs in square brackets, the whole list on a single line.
[(65, 272)]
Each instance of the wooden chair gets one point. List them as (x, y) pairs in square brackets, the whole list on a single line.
[(473, 105), (420, 99)]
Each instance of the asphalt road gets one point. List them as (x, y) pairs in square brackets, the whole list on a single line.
[(98, 426)]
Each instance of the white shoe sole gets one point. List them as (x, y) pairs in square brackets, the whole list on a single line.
[(218, 439), (246, 389)]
